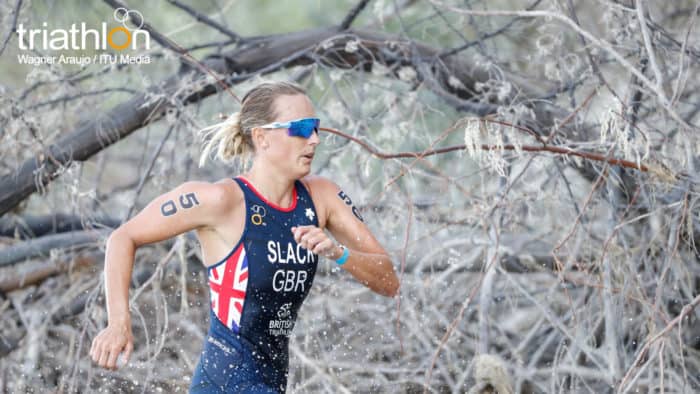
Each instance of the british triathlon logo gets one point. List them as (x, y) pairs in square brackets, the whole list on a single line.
[(284, 311), (81, 37), (284, 324)]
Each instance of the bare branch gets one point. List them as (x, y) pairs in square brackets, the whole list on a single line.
[(354, 12), (42, 246), (643, 351), (606, 46), (206, 20), (36, 226), (170, 44), (526, 148), (13, 28), (648, 44), (27, 274)]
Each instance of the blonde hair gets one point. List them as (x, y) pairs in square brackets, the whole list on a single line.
[(232, 138)]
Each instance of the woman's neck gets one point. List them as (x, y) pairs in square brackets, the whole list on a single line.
[(274, 187)]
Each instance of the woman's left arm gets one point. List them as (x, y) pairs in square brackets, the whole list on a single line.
[(367, 261)]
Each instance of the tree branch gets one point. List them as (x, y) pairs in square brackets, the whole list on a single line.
[(43, 246), (645, 349), (648, 44), (23, 275), (354, 12), (527, 148), (15, 14), (604, 45), (168, 43), (206, 20), (36, 226)]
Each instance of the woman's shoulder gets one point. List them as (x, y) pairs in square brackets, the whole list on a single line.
[(321, 190), (319, 185), (223, 193)]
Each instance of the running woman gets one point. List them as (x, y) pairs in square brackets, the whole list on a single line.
[(261, 234)]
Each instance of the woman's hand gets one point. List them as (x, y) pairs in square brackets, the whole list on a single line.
[(317, 241), (110, 342)]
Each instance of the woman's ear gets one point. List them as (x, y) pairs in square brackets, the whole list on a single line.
[(259, 138)]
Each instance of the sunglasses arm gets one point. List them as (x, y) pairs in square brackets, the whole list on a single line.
[(276, 125)]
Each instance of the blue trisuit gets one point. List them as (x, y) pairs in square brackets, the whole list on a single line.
[(256, 292)]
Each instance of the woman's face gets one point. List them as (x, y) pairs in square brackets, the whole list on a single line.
[(291, 154)]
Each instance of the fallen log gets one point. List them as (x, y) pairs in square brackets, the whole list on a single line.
[(32, 226), (21, 275), (43, 246)]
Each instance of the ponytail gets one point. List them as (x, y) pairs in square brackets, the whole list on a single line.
[(226, 140)]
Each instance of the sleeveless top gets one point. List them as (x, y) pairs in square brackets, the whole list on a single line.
[(256, 291)]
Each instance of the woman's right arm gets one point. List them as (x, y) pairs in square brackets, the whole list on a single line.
[(190, 206)]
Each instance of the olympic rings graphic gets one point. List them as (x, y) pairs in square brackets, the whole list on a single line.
[(122, 15), (258, 209), (257, 217)]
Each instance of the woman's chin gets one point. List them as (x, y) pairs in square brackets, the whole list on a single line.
[(306, 163), (306, 169)]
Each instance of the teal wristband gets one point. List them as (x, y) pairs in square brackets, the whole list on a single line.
[(344, 257)]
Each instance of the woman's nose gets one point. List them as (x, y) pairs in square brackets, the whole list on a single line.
[(314, 139)]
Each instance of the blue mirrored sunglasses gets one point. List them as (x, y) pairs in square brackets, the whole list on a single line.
[(297, 128)]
